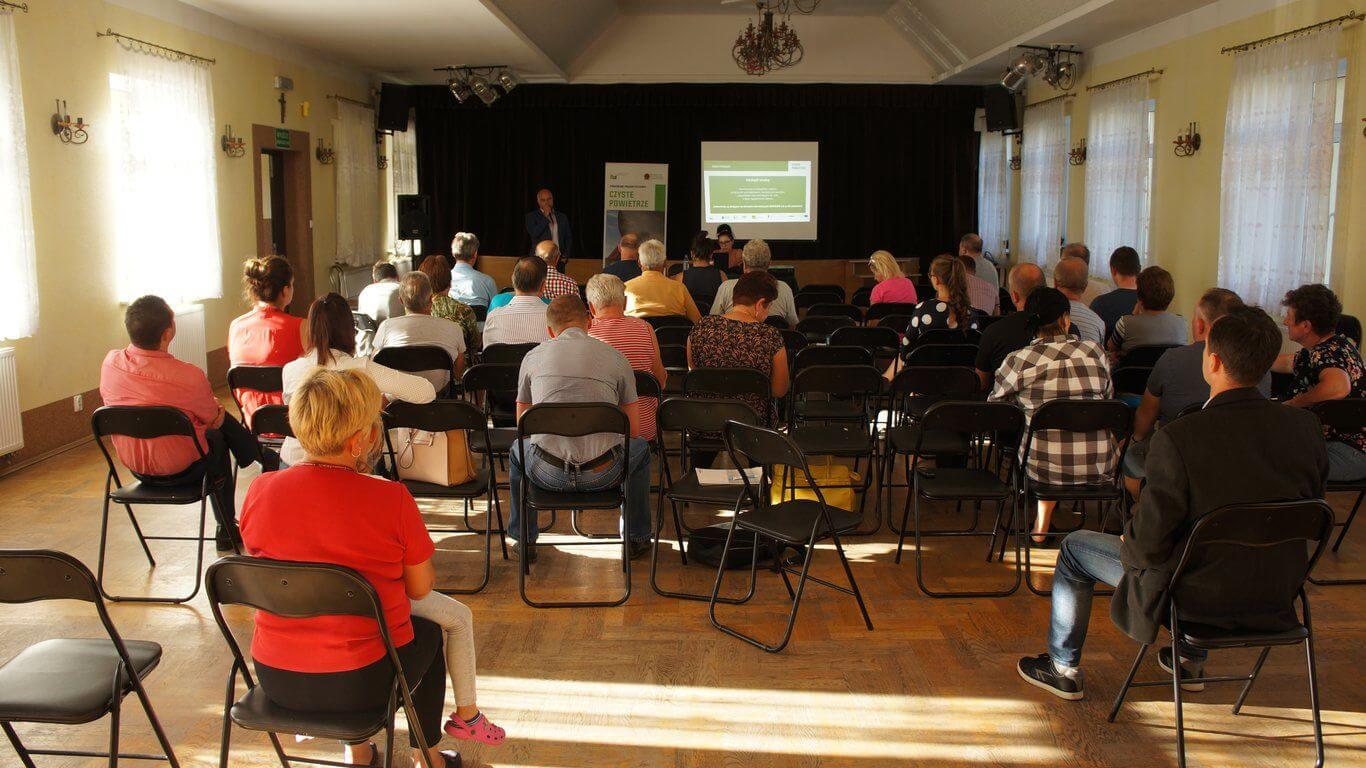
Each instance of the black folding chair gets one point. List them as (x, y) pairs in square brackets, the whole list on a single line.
[(675, 359), (495, 385), (1113, 417), (881, 343), (505, 354), (836, 310), (882, 310), (71, 681), (840, 398), (419, 359), (794, 342), (672, 335), (831, 354), (863, 297), (668, 321), (1346, 416), (838, 290), (819, 328), (1144, 356), (961, 354), (913, 392), (646, 387), (481, 312), (1131, 380), (794, 523), (448, 416), (1245, 544), (573, 420), (896, 322), (293, 590), (271, 419), (727, 383), (980, 426), (777, 321), (692, 416), (146, 423), (805, 300), (955, 336), (257, 378)]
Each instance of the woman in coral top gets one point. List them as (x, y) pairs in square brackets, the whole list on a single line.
[(266, 335)]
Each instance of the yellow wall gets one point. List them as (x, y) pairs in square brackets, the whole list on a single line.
[(60, 57), (1184, 235)]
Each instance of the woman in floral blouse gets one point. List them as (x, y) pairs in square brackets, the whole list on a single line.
[(438, 270)]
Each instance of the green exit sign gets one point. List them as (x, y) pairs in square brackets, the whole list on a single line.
[(282, 138)]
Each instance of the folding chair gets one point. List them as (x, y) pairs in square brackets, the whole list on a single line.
[(646, 387), (914, 391), (838, 290), (1346, 416), (794, 342), (675, 359), (418, 359), (896, 322), (668, 321), (836, 310), (960, 354), (1144, 356), (1244, 543), (848, 392), (777, 321), (447, 416), (863, 297), (71, 681), (881, 343), (672, 335), (271, 420), (807, 299), (495, 384), (1131, 380), (505, 354), (481, 312), (573, 420), (831, 354), (946, 336), (146, 423), (819, 328), (727, 383), (295, 590), (257, 378), (799, 522), (882, 310)]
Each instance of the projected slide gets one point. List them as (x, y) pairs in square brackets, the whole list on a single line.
[(761, 189)]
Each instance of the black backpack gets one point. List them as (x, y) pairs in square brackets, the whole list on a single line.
[(705, 546)]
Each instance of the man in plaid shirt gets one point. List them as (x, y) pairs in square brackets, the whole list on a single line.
[(1057, 366), (557, 283)]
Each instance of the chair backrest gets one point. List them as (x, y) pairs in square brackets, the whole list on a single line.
[(946, 336), (272, 419), (481, 312), (880, 342), (436, 416), (143, 422), (760, 446), (1072, 415), (885, 308), (836, 310), (703, 414), (819, 328), (704, 302), (505, 353), (895, 322), (675, 356), (1131, 379), (777, 321), (491, 377), (1342, 415), (863, 297), (809, 299), (957, 381), (728, 381), (647, 385), (832, 355), (844, 380), (943, 354), (794, 342), (258, 378), (973, 418), (364, 322), (1145, 356), (421, 357), (672, 335), (292, 590), (665, 321), (33, 575), (838, 290), (573, 420)]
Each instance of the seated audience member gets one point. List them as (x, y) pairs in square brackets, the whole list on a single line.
[(985, 297), (143, 374), (1013, 331), (469, 285), (893, 287), (971, 246), (741, 339), (1151, 323), (1239, 449), (267, 334), (333, 338), (949, 309), (1080, 251), (1057, 366), (1178, 382), (573, 367), (522, 320), (653, 294), (627, 264), (557, 283), (702, 278), (756, 259), (380, 299), (1070, 276), (1350, 326), (438, 271), (631, 336), (729, 256), (419, 329), (330, 509), (1124, 268), (1327, 368)]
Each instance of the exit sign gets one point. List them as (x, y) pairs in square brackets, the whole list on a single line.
[(282, 138)]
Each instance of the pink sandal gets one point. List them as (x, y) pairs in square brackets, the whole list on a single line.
[(479, 730)]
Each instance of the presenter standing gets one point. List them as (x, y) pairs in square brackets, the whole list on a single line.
[(546, 223)]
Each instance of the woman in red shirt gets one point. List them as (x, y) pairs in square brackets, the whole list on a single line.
[(327, 509), (266, 335)]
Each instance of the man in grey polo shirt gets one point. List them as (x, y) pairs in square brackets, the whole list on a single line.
[(756, 257), (573, 367)]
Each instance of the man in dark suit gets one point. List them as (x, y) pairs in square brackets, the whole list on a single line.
[(1240, 448), (546, 223)]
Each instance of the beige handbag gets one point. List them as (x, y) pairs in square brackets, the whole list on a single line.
[(441, 458)]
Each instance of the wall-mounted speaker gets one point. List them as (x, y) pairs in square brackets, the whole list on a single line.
[(394, 103), (414, 217)]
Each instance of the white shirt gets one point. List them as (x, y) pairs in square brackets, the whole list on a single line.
[(520, 321), (554, 229), (380, 301), (423, 331)]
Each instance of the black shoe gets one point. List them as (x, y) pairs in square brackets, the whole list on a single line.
[(1189, 669), (639, 549), (1039, 671), (225, 543), (517, 553)]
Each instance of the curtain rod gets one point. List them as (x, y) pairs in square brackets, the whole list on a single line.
[(17, 6), (1049, 101), (154, 47), (1350, 16), (1124, 79), (365, 104)]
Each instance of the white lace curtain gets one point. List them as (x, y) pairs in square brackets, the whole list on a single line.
[(1278, 151), (166, 241), (1043, 163), (19, 288), (993, 192), (357, 164), (1117, 172), (404, 165)]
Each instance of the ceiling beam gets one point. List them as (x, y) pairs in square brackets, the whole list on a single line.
[(1040, 32), (492, 7), (912, 23)]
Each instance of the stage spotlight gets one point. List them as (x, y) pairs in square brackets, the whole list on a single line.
[(483, 90), (1064, 73), (507, 80), (460, 90), (1016, 74)]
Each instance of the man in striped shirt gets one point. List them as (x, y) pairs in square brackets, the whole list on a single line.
[(557, 283), (1071, 277), (522, 320)]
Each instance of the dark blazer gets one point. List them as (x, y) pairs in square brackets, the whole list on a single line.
[(1241, 448), (538, 228)]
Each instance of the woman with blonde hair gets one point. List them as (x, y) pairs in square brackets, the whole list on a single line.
[(329, 509), (893, 286)]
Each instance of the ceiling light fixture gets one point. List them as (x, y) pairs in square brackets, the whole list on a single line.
[(481, 81), (762, 49), (1057, 65)]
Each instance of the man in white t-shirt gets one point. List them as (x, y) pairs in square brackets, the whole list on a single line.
[(419, 328), (380, 299)]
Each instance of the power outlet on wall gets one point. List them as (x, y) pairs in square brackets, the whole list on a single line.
[(78, 403)]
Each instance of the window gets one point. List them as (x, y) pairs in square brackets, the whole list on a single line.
[(403, 173), (19, 287), (1066, 182), (1118, 166), (1340, 98), (1043, 176), (993, 192), (166, 182), (357, 164)]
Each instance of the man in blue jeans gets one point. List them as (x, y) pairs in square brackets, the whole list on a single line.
[(573, 367), (1239, 449)]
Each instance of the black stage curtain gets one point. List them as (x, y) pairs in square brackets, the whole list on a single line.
[(898, 163)]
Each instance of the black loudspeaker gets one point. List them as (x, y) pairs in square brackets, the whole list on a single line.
[(1002, 106), (394, 103), (414, 216)]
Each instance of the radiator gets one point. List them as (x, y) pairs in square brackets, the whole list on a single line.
[(353, 279), (189, 343), (11, 428)]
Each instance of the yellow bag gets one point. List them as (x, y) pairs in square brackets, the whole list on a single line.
[(825, 475), (442, 458)]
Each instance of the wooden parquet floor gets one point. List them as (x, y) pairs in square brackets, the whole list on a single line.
[(653, 684)]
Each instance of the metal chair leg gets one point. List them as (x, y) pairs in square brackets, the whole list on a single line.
[(1128, 682), (18, 745), (1313, 684), (853, 585), (1252, 678)]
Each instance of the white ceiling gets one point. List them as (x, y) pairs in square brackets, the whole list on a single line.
[(892, 41)]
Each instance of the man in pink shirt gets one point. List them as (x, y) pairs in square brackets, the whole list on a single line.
[(983, 296), (145, 373)]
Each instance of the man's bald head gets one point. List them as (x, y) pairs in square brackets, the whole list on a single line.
[(1022, 281), (548, 252), (1070, 276), (566, 312), (1076, 251)]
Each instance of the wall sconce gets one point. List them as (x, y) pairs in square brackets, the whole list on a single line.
[(233, 146), (383, 162), (1187, 143), (325, 154), (1077, 155), (1015, 158), (64, 128)]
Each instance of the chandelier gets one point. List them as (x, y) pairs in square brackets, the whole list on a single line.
[(767, 47)]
